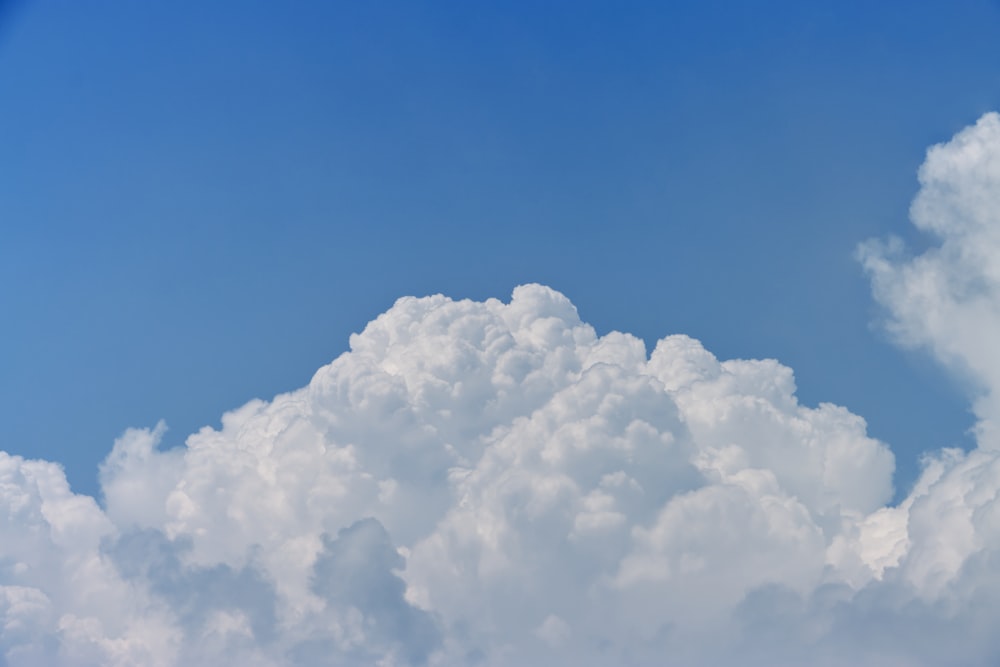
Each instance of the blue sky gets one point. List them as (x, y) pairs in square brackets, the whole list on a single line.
[(212, 213), (201, 201)]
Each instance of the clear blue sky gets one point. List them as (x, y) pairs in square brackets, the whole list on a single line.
[(200, 201)]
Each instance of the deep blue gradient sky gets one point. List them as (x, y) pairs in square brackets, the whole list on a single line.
[(200, 201)]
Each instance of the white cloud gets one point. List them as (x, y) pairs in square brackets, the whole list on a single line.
[(947, 299), (493, 483)]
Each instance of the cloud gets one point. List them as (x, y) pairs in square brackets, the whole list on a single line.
[(493, 483), (947, 300)]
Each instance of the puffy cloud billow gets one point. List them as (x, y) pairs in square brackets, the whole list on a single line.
[(495, 484)]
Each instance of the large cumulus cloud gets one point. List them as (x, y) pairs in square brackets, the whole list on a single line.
[(493, 483)]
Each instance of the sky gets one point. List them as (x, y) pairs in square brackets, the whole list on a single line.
[(210, 209)]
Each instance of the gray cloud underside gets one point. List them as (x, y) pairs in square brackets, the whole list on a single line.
[(494, 484)]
